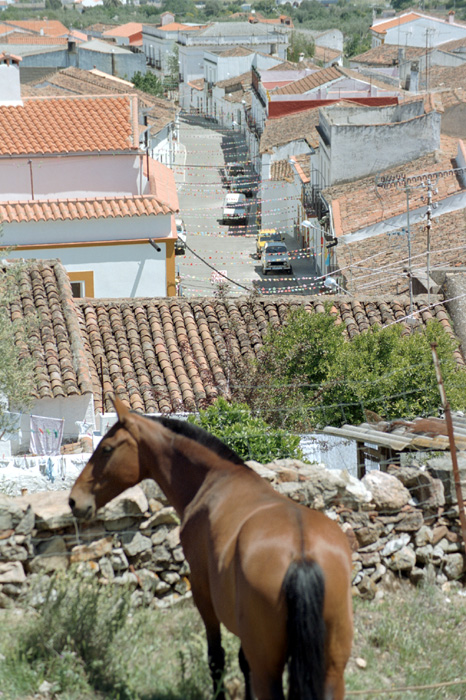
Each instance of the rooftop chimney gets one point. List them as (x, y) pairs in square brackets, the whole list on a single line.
[(451, 17), (10, 89)]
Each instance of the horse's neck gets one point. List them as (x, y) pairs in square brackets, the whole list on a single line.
[(179, 465)]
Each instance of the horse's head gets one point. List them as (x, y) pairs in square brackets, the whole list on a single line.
[(112, 468)]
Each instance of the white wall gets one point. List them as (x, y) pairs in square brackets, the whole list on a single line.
[(83, 230), (62, 177), (10, 90), (72, 409), (120, 271)]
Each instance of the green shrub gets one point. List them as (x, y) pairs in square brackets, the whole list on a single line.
[(249, 436), (74, 631)]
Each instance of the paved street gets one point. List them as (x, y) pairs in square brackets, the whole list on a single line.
[(205, 147)]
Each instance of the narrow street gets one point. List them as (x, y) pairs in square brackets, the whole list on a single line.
[(205, 148)]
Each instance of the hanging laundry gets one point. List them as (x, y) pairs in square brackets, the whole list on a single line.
[(46, 435)]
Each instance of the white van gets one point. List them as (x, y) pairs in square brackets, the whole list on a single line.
[(235, 208)]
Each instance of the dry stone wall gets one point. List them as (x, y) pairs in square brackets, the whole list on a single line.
[(403, 523)]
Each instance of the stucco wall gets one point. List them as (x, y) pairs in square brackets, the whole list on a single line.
[(77, 176)]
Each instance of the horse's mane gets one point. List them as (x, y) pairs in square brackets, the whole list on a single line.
[(194, 432)]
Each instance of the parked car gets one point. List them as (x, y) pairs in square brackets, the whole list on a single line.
[(235, 208), (180, 243), (239, 179), (275, 258), (267, 235)]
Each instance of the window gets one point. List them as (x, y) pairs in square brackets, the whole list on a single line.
[(82, 284)]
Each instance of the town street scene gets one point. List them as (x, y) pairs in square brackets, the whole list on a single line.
[(232, 350)]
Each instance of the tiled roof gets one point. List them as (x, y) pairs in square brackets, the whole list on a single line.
[(310, 82), (301, 125), (33, 39), (443, 77), (378, 265), (163, 354), (54, 342), (197, 84), (361, 203), (124, 30), (281, 170), (386, 55), (47, 27), (381, 27), (236, 51), (82, 208), (323, 53), (68, 124), (93, 82), (243, 79), (303, 166), (176, 26), (5, 29), (452, 46)]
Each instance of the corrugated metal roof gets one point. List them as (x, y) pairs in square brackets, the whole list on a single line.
[(421, 434)]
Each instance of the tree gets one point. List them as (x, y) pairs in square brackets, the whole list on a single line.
[(149, 83), (310, 375), (300, 44), (16, 365), (249, 436), (172, 77)]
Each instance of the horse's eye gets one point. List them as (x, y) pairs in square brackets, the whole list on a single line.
[(107, 449)]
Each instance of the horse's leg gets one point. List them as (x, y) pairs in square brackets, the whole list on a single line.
[(215, 652), (244, 666), (338, 650), (267, 688)]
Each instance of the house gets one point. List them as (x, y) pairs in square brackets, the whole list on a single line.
[(75, 185), (225, 65), (412, 28), (158, 43), (160, 115), (276, 93), (407, 222), (129, 34), (59, 52), (158, 355)]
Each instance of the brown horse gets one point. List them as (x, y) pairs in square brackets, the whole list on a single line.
[(275, 573)]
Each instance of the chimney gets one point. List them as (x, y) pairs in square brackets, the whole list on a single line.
[(451, 17), (301, 57), (414, 77), (10, 89)]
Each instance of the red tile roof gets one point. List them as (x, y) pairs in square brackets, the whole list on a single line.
[(381, 27), (124, 30), (163, 354), (82, 208), (69, 124), (46, 27), (33, 39), (361, 203), (310, 82), (176, 26)]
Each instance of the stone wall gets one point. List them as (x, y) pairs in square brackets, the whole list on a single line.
[(404, 523)]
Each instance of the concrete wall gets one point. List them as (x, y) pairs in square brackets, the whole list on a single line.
[(356, 150), (79, 176), (414, 33), (123, 65)]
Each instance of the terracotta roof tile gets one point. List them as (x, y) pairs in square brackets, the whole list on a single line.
[(68, 209), (33, 39), (281, 170), (301, 125), (382, 26), (123, 30), (377, 266), (166, 354), (361, 203), (47, 27), (387, 55), (68, 124), (310, 82)]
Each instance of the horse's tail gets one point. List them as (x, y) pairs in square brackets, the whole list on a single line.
[(304, 588)]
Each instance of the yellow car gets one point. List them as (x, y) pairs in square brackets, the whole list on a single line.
[(267, 235)]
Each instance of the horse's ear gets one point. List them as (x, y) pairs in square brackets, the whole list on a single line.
[(121, 409)]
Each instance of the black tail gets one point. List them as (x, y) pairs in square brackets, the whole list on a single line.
[(304, 587)]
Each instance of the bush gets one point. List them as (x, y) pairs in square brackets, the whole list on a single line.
[(78, 622), (250, 437)]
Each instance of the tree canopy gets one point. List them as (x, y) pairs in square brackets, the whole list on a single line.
[(310, 375)]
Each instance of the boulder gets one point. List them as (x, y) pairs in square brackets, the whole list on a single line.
[(12, 572), (441, 468), (388, 493), (50, 508), (402, 560), (132, 502), (454, 565), (94, 550)]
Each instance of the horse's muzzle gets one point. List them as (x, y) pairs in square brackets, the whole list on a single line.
[(84, 512)]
